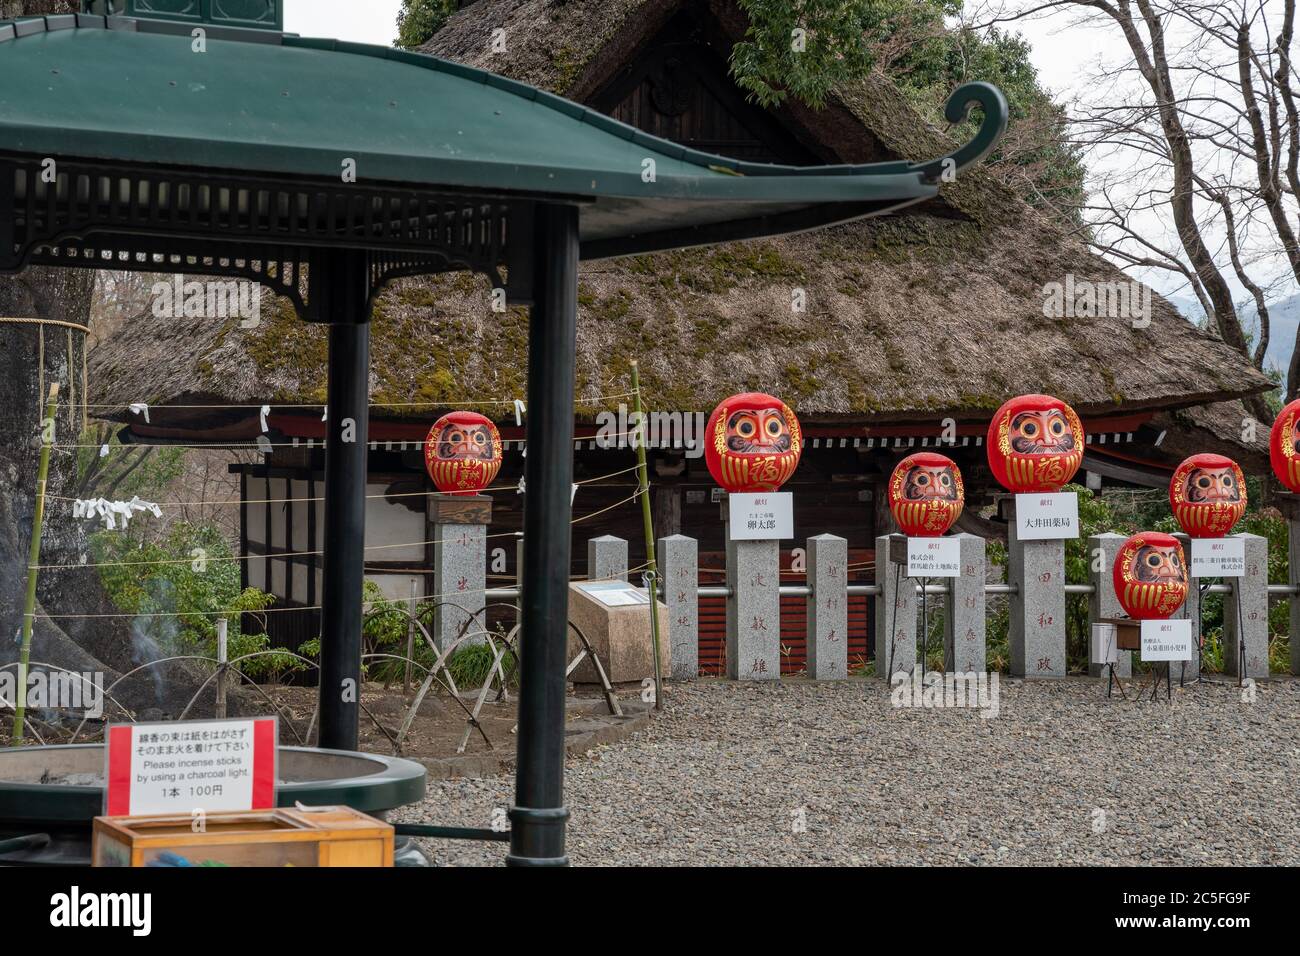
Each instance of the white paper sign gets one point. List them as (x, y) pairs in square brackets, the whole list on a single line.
[(765, 516), (1218, 558), (1105, 644), (1047, 517), (616, 593), (1167, 641), (933, 558), (186, 765)]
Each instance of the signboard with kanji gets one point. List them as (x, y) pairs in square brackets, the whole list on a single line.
[(189, 765), (1048, 516), (1167, 640), (933, 558), (764, 516), (1218, 558)]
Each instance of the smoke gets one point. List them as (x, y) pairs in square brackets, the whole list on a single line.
[(154, 637)]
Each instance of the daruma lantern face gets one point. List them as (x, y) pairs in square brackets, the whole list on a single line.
[(462, 453), (1208, 495), (926, 494), (1282, 443), (1150, 576), (1035, 444), (753, 443)]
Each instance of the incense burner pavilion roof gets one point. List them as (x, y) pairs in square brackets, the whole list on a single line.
[(135, 92)]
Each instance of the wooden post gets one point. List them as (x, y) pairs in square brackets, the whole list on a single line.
[(410, 637), (223, 656), (33, 564), (651, 569)]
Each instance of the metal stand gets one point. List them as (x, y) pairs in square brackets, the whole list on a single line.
[(539, 814)]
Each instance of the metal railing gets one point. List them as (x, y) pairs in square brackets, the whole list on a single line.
[(1276, 592)]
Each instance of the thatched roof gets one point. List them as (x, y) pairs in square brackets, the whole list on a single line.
[(935, 312)]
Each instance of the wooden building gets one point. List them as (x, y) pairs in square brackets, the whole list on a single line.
[(913, 330)]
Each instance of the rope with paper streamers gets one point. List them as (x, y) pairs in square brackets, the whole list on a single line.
[(303, 554), (271, 610)]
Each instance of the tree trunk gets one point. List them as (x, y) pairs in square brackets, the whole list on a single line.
[(32, 356)]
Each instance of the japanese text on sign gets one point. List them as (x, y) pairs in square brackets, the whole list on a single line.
[(767, 516), (1167, 640), (933, 558), (183, 766), (1218, 558), (1045, 517)]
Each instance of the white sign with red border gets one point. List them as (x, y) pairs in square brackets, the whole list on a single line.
[(186, 765)]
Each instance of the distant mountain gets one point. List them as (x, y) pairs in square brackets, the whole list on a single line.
[(1283, 320)]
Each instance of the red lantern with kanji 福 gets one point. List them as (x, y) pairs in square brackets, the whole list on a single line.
[(1035, 444), (462, 453), (1282, 442), (1208, 495), (1150, 576), (926, 494), (752, 443)]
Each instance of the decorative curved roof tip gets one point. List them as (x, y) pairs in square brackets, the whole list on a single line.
[(265, 113), (994, 105)]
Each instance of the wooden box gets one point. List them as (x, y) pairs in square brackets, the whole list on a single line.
[(319, 836), (1128, 633)]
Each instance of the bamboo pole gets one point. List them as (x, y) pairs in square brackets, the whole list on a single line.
[(33, 563), (652, 568)]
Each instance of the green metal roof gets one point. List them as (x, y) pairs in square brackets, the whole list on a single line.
[(257, 102)]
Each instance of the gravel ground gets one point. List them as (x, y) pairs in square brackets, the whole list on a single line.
[(1062, 776)]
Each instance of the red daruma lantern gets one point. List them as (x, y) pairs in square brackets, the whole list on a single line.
[(1150, 576), (752, 443), (926, 494), (1208, 495), (1282, 446), (462, 453), (1035, 444)]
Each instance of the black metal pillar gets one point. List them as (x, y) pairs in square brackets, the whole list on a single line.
[(539, 815), (340, 295)]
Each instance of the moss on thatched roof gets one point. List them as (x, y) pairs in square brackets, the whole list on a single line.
[(932, 313)]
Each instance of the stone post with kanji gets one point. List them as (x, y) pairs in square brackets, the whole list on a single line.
[(964, 637), (679, 574), (607, 558), (828, 607), (1245, 614), (754, 610), (897, 608), (459, 525), (1036, 573)]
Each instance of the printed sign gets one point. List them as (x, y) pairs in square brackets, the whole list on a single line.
[(1218, 558), (187, 765), (1047, 517), (1167, 641), (615, 593), (933, 558), (761, 516)]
